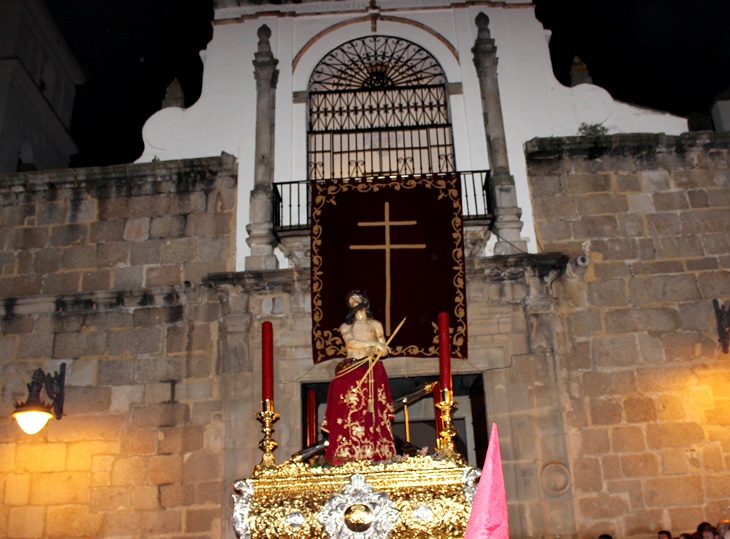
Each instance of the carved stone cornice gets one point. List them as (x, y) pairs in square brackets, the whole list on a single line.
[(515, 267)]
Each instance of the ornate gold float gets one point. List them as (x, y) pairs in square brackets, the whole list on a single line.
[(418, 497)]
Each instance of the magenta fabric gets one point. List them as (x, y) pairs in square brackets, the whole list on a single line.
[(488, 519)]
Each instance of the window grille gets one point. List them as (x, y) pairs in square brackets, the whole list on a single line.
[(378, 106)]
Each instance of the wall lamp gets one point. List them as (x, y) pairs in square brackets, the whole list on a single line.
[(33, 414), (722, 314)]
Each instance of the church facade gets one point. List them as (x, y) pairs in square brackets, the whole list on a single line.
[(590, 271)]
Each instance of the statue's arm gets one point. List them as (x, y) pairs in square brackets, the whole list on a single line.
[(380, 345)]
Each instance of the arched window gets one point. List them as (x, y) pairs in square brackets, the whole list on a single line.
[(378, 106)]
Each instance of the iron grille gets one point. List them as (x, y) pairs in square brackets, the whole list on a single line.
[(351, 110), (378, 106), (291, 200), (376, 62)]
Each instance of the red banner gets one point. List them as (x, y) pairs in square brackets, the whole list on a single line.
[(401, 242)]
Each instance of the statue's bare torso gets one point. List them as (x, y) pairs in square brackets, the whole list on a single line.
[(363, 338)]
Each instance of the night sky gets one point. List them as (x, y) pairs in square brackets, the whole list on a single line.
[(671, 55), (130, 51)]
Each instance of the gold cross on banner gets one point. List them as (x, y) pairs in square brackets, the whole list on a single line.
[(387, 247)]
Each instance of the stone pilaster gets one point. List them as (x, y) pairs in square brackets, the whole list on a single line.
[(511, 327), (508, 224), (260, 229)]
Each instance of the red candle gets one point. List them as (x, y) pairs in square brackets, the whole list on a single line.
[(267, 359), (444, 352), (311, 417)]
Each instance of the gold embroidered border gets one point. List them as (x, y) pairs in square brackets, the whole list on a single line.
[(326, 342)]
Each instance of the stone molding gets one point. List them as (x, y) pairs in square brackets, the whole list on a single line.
[(628, 144), (97, 302), (144, 178), (510, 267)]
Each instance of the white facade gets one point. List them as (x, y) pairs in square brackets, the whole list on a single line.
[(534, 103)]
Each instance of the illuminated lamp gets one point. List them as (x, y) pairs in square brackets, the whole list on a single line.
[(33, 414)]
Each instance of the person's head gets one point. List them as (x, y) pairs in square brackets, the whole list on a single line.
[(357, 300), (685, 536), (605, 536), (723, 528), (709, 532), (664, 534)]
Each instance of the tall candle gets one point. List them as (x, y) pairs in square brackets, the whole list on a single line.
[(267, 361), (444, 352), (311, 416)]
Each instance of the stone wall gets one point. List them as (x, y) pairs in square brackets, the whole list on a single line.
[(645, 385), (124, 274), (116, 228), (511, 316), (102, 269), (605, 379)]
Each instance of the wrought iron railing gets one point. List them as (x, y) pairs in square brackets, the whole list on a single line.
[(291, 200)]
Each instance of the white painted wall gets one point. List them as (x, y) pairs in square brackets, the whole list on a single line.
[(534, 103)]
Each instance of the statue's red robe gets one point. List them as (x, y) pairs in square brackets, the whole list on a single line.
[(359, 414)]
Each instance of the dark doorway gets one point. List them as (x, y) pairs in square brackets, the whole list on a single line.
[(470, 418)]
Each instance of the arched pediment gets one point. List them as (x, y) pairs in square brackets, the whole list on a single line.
[(311, 53), (376, 62)]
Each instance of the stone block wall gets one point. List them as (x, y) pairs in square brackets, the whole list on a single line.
[(102, 269), (645, 385), (607, 383), (116, 228), (138, 452)]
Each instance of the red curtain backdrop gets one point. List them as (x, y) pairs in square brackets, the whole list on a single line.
[(401, 242)]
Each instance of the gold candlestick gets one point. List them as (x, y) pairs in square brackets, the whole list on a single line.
[(447, 435), (267, 417)]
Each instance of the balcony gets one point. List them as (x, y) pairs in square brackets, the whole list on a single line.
[(291, 213), (291, 201)]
